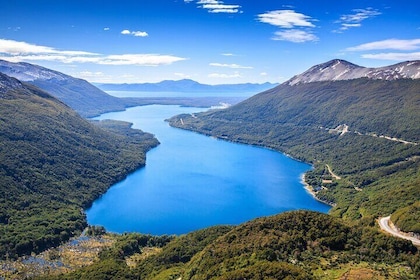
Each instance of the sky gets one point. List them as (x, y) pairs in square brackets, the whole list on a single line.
[(209, 41)]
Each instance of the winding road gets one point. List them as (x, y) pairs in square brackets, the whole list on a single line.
[(385, 225)]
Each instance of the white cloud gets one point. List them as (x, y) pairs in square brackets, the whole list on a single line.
[(16, 48), (355, 19), (140, 34), (221, 8), (295, 36), (394, 56), (139, 59), (21, 51), (228, 54), (89, 74), (346, 26), (233, 66), (263, 74), (182, 75), (135, 33), (107, 28), (217, 6), (359, 15), (286, 19), (390, 44), (225, 76), (296, 25)]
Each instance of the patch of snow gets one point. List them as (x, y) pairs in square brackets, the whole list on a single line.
[(342, 70)]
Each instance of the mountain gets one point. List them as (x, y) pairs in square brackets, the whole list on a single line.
[(364, 130), (53, 164), (337, 70), (187, 85), (80, 95), (90, 101)]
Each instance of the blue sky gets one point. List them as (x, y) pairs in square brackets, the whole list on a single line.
[(210, 41)]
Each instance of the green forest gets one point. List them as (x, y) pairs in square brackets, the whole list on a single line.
[(53, 164), (291, 245)]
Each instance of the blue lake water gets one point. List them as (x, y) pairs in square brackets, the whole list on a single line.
[(193, 181)]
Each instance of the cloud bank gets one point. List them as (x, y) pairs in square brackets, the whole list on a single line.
[(16, 51), (390, 44), (217, 6)]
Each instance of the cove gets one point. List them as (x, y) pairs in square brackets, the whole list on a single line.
[(192, 181)]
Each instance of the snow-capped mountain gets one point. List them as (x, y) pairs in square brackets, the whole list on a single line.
[(80, 95), (337, 69), (29, 72)]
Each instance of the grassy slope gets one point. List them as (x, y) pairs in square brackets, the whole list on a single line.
[(53, 163)]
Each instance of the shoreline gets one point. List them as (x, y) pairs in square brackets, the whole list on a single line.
[(311, 191)]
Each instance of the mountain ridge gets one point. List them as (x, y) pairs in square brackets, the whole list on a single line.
[(337, 69), (79, 94), (185, 85)]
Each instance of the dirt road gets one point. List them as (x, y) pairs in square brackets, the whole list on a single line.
[(385, 225)]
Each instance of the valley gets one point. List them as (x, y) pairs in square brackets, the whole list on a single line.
[(367, 168)]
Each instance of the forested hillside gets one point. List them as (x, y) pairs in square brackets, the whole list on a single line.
[(292, 245), (367, 131), (53, 164), (362, 136)]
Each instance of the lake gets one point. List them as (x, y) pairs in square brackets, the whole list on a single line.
[(192, 181)]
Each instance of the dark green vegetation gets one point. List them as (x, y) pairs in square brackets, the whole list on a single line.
[(379, 176), (408, 218), (292, 245), (53, 164)]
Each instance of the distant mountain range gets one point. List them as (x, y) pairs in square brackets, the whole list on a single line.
[(187, 85), (89, 100), (337, 70)]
